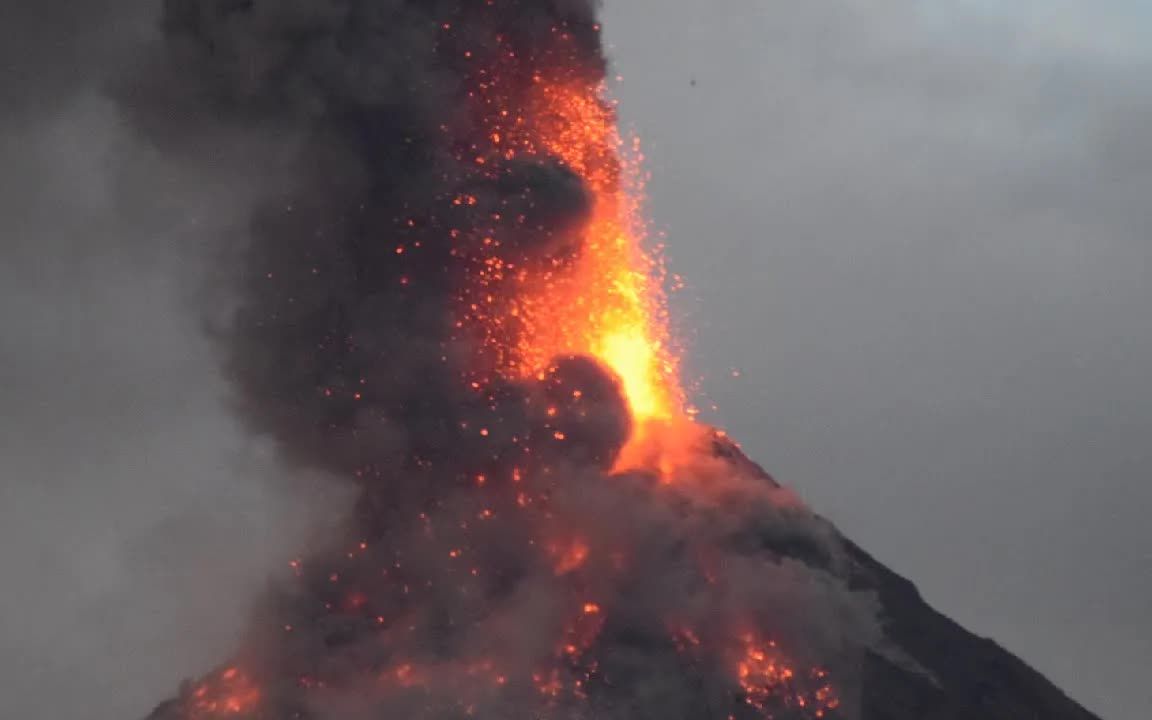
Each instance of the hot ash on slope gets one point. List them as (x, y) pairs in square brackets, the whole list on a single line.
[(563, 593), (453, 305)]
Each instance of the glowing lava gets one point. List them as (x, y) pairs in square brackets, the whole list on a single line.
[(771, 684), (606, 299), (611, 305), (229, 693)]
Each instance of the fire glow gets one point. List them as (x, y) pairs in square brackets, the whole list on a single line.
[(611, 304), (230, 693)]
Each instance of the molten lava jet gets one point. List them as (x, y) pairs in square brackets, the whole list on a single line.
[(450, 300)]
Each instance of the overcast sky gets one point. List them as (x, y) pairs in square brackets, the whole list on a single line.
[(917, 229), (920, 231)]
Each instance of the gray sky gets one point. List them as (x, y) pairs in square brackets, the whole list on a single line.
[(920, 231), (917, 229)]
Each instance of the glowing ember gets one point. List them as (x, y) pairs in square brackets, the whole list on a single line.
[(569, 558), (229, 693), (771, 684)]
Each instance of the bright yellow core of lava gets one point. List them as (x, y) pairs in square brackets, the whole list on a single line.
[(611, 304)]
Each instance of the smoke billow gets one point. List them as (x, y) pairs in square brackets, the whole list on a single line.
[(495, 565)]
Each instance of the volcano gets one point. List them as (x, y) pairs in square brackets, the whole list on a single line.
[(921, 665), (447, 298)]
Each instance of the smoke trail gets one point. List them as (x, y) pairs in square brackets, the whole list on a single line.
[(494, 566)]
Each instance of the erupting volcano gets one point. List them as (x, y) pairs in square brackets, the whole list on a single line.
[(451, 302)]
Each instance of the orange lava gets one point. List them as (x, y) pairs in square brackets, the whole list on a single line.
[(608, 301), (611, 305), (769, 682), (227, 694)]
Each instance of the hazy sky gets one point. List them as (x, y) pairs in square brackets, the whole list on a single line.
[(920, 232), (916, 228)]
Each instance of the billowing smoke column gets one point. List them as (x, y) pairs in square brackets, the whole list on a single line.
[(444, 298)]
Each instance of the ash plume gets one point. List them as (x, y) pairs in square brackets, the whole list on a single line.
[(496, 565)]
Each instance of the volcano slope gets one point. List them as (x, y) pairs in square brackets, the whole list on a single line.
[(916, 664)]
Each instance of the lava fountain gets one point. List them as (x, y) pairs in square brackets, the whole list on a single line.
[(603, 295)]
